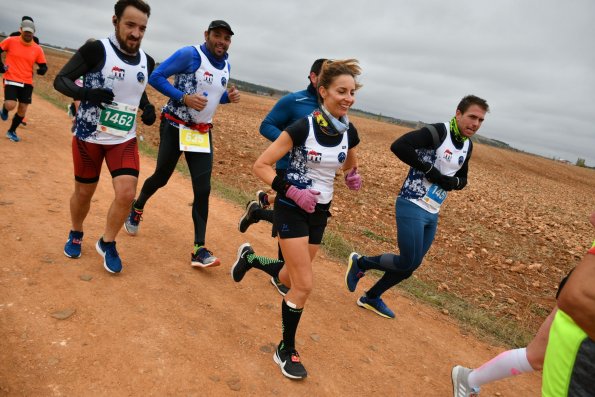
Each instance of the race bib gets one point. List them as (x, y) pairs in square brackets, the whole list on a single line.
[(194, 141), (434, 197), (117, 119)]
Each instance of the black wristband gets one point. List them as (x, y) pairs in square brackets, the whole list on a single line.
[(280, 185)]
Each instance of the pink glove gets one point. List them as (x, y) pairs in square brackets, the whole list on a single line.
[(353, 180), (305, 198)]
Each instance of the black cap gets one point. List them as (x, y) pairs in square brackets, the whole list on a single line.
[(27, 18), (220, 24)]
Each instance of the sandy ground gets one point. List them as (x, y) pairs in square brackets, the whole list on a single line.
[(162, 327)]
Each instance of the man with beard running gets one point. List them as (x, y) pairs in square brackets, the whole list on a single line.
[(115, 72), (201, 75)]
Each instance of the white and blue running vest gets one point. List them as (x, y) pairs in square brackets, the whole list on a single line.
[(129, 82), (447, 159), (206, 80), (213, 82), (313, 166)]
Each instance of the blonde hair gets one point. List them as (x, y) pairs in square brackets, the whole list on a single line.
[(331, 69)]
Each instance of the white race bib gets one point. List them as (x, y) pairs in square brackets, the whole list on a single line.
[(117, 119)]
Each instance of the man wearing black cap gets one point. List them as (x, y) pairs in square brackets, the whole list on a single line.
[(201, 76), (288, 109), (22, 53)]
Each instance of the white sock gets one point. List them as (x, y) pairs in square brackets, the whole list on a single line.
[(509, 363)]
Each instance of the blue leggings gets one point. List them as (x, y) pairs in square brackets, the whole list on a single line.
[(416, 229)]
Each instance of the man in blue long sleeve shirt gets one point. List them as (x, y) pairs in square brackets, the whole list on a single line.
[(201, 75), (286, 111)]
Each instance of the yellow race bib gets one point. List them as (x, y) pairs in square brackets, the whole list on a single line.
[(194, 141)]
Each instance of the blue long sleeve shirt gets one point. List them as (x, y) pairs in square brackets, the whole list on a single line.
[(186, 60), (286, 111)]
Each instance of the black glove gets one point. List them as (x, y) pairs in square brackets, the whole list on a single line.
[(148, 117), (42, 69), (449, 183), (2, 67), (432, 173), (97, 96)]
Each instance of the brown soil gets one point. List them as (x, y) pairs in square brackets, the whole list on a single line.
[(164, 328)]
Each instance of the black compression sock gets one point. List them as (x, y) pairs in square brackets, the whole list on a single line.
[(268, 265), (16, 121), (140, 201), (290, 318), (267, 215)]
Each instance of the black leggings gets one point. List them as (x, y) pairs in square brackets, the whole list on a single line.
[(200, 166)]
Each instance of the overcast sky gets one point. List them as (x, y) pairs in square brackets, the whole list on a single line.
[(532, 60)]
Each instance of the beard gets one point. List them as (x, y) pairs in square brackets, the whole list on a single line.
[(127, 43)]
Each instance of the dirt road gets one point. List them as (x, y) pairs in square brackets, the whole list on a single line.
[(164, 328)]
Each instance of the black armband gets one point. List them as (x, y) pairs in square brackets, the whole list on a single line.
[(43, 68), (461, 183), (280, 185)]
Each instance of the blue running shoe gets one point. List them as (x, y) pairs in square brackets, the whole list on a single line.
[(72, 249), (12, 136), (353, 273), (202, 257), (4, 114), (375, 305), (111, 259), (132, 223)]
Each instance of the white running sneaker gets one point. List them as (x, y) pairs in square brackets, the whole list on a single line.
[(460, 383)]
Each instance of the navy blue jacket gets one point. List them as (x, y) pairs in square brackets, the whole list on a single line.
[(286, 111)]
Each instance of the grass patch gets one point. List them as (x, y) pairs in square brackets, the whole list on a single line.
[(475, 320), (371, 235), (60, 103), (335, 246)]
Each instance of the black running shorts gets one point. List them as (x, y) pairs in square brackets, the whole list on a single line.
[(21, 94), (292, 222)]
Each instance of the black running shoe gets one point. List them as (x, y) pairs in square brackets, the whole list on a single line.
[(241, 265), (247, 218), (263, 199), (290, 363), (281, 288)]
